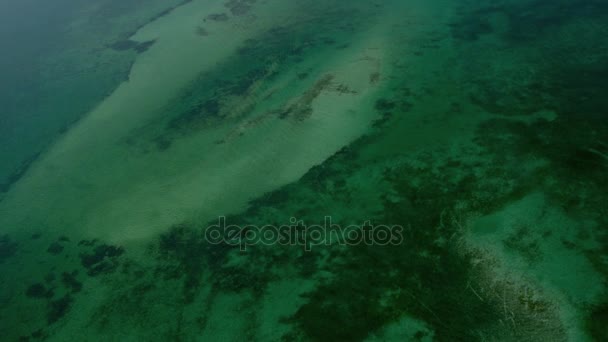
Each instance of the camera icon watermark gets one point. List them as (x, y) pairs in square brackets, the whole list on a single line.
[(297, 233)]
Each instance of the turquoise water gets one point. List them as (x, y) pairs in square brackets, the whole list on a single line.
[(459, 147)]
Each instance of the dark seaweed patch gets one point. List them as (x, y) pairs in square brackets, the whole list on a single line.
[(184, 246), (303, 75), (597, 322), (302, 109), (384, 105), (540, 16), (240, 279), (55, 248), (205, 111), (7, 247), (272, 199), (38, 291), (59, 308), (339, 316), (39, 335), (103, 259), (87, 243), (239, 7), (386, 108), (201, 31), (144, 46), (525, 245), (50, 277), (162, 143), (124, 45), (186, 255), (70, 281), (218, 17), (494, 97)]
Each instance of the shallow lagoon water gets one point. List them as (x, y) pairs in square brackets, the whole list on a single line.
[(479, 127)]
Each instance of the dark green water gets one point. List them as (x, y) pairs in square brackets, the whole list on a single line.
[(477, 127)]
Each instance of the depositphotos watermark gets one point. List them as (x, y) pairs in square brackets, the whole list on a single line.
[(297, 233)]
